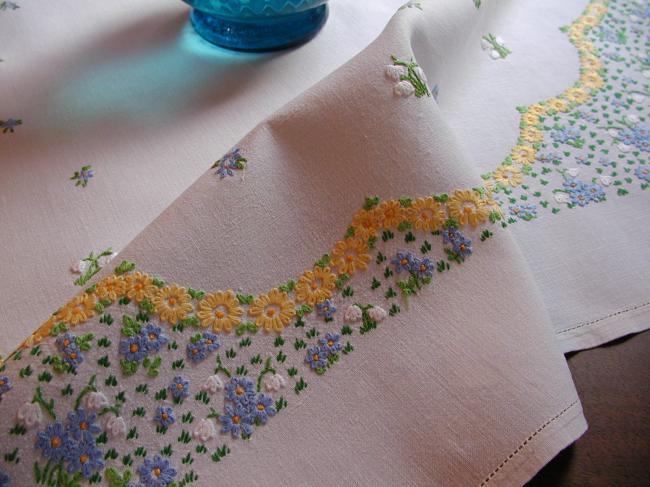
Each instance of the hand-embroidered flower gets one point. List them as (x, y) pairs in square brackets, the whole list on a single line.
[(605, 180), (508, 175), (179, 387), (391, 213), (232, 161), (353, 314), (83, 176), (395, 73), (139, 287), (213, 384), (236, 420), (273, 310), (204, 431), (54, 442), (404, 89), (220, 310), (467, 207), (111, 288), (10, 124), (29, 415), (524, 211), (164, 416), (95, 401), (409, 76), (326, 309), (330, 343), (316, 358), (81, 424), (156, 472), (85, 457), (73, 356), (377, 314), (523, 154), (643, 172), (240, 390), (426, 214), (495, 46), (115, 427), (422, 268), (315, 286), (196, 351), (172, 303), (365, 223), (403, 261), (350, 255), (77, 311), (134, 348), (275, 382), (262, 408), (154, 337)]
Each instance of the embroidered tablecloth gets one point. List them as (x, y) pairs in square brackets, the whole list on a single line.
[(376, 285)]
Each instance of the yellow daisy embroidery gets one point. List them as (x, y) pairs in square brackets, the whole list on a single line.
[(532, 135), (315, 286), (537, 109), (350, 255), (558, 104), (577, 95), (508, 175), (220, 310), (427, 214), (591, 62), (391, 213), (111, 288), (77, 311), (530, 118), (172, 303), (139, 286), (523, 154), (466, 207), (365, 224), (591, 79), (272, 311)]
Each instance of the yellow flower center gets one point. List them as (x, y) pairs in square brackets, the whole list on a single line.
[(236, 419), (164, 416), (349, 258), (179, 386), (72, 355), (138, 287), (156, 472), (270, 312), (219, 314), (315, 357), (55, 442), (239, 390), (423, 267), (134, 348), (84, 459), (83, 426), (171, 301), (330, 343), (194, 351), (152, 336), (404, 261), (66, 342), (260, 407)]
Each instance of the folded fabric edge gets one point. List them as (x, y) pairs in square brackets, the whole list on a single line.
[(593, 333), (539, 448)]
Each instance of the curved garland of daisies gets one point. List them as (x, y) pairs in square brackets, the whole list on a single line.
[(275, 309)]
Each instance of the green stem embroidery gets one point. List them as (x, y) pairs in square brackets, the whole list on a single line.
[(502, 50), (266, 370), (48, 406), (94, 266), (220, 367), (89, 388), (421, 89)]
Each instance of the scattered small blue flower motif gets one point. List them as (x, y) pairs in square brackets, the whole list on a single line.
[(643, 172), (423, 268), (82, 425), (236, 420), (65, 341), (565, 135), (596, 192), (73, 356), (582, 160), (85, 457), (5, 385), (83, 176), (262, 408), (616, 102), (155, 337), (4, 479), (628, 80), (134, 348), (210, 341), (637, 136), (54, 442), (179, 387), (316, 358), (197, 352), (240, 390), (403, 261), (164, 416), (588, 116), (330, 343), (156, 472), (232, 161), (551, 157), (525, 212), (326, 309), (573, 184), (450, 235), (604, 161), (463, 247)]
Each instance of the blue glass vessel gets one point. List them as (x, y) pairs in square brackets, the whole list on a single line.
[(258, 25)]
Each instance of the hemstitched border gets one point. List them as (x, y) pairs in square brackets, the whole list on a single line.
[(638, 306)]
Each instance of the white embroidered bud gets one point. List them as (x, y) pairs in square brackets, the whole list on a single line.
[(115, 426), (404, 88), (95, 401), (275, 382), (213, 384), (395, 73), (352, 314), (29, 415), (377, 314), (204, 431)]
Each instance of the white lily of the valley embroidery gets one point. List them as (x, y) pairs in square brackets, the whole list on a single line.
[(377, 313), (204, 431), (573, 171), (352, 314), (612, 132), (395, 73), (404, 88), (275, 382), (632, 118), (79, 266), (106, 259), (639, 98), (646, 73), (29, 415), (605, 180), (624, 147), (115, 427), (562, 198), (495, 46), (213, 384), (95, 401)]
